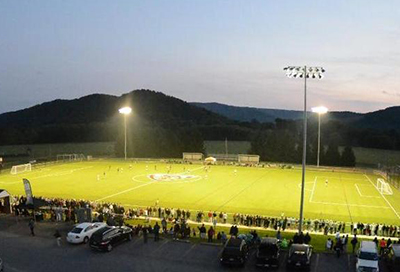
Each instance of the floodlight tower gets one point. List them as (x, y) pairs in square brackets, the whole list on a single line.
[(125, 111), (304, 72), (319, 110)]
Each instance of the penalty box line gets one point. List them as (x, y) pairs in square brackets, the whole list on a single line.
[(339, 204), (387, 201), (361, 195)]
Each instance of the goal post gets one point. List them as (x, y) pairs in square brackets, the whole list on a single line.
[(248, 159), (187, 156), (21, 168), (383, 187)]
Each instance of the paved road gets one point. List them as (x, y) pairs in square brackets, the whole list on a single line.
[(21, 252)]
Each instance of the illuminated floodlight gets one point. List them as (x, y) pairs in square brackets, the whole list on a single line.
[(306, 73), (302, 71), (320, 110), (125, 110)]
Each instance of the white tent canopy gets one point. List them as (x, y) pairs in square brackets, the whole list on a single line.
[(4, 193)]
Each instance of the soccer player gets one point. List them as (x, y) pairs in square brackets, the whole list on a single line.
[(235, 171), (98, 177), (326, 183)]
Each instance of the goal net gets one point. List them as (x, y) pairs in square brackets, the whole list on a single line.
[(383, 187), (21, 168), (70, 157), (192, 156), (248, 159)]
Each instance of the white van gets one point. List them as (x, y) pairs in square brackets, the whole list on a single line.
[(367, 257)]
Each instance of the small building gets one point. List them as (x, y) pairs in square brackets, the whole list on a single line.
[(5, 201)]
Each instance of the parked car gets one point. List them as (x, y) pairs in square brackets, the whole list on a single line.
[(81, 233), (367, 257), (235, 252), (268, 253), (392, 258), (108, 237), (300, 256), (1, 265)]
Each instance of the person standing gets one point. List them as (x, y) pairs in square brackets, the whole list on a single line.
[(57, 235), (202, 230), (382, 246), (354, 243), (329, 244), (211, 233), (338, 247), (31, 225), (156, 230)]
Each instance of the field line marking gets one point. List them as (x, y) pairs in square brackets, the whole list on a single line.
[(241, 191), (313, 190), (387, 201), (341, 178), (125, 191), (358, 190), (351, 205), (187, 252), (159, 247), (316, 264)]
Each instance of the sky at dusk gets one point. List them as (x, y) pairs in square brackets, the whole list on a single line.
[(231, 52)]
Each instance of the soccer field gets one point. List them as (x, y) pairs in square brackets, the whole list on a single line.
[(344, 196)]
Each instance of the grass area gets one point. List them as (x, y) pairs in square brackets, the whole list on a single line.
[(343, 196)]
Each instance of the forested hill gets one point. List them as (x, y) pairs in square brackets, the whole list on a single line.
[(248, 114), (388, 118), (160, 125)]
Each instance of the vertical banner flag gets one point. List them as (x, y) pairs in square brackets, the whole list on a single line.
[(28, 191)]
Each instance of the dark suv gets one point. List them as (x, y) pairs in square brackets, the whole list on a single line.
[(235, 252), (106, 238), (392, 258), (300, 256), (268, 253)]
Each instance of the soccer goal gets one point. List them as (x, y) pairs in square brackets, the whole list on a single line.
[(21, 168), (383, 187), (248, 159), (192, 156)]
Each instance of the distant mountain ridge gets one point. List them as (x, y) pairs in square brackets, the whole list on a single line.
[(388, 118)]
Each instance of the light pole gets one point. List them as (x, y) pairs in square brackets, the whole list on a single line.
[(304, 72), (125, 111), (319, 110)]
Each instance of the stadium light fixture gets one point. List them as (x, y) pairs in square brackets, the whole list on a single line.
[(125, 111), (304, 72), (319, 110)]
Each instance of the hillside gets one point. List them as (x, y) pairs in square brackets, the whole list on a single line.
[(248, 114), (95, 118), (387, 119)]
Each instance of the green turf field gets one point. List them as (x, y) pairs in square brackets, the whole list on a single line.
[(349, 197)]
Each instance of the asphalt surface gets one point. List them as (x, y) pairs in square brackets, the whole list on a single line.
[(22, 252)]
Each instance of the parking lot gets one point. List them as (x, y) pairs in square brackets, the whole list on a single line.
[(21, 252)]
